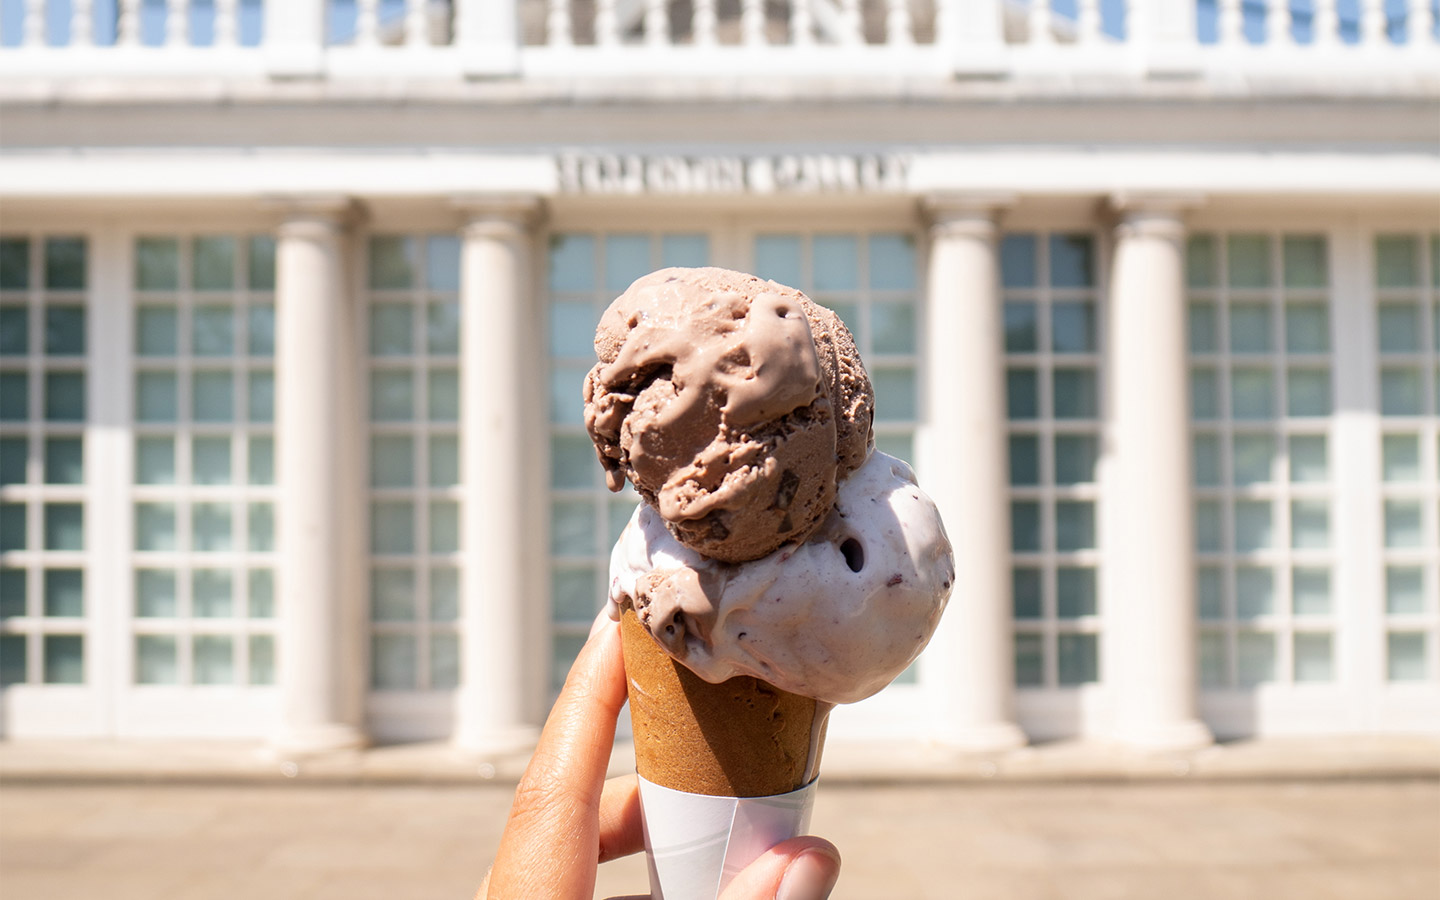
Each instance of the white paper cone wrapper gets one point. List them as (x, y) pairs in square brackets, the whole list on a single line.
[(696, 844)]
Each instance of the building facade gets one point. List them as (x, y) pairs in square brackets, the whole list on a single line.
[(296, 300)]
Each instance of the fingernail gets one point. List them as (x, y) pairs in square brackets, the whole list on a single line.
[(811, 876)]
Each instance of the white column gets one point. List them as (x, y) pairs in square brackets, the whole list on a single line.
[(295, 37), (488, 34), (504, 607), (317, 426), (1150, 546), (972, 31), (969, 668)]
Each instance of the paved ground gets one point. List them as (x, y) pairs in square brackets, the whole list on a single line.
[(1272, 840)]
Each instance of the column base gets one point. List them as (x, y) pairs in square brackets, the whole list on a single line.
[(1167, 737), (317, 740), (498, 741), (989, 737)]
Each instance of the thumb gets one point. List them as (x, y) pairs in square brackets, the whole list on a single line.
[(802, 868)]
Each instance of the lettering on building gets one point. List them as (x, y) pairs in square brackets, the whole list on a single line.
[(608, 173)]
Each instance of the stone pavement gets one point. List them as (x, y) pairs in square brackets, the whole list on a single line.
[(1149, 838)]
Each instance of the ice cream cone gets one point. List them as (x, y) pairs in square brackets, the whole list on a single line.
[(740, 738)]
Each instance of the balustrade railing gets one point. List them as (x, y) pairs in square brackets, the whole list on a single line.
[(543, 38)]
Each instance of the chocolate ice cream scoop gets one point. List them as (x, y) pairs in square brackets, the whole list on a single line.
[(734, 405)]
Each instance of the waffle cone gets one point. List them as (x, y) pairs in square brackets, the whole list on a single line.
[(740, 738)]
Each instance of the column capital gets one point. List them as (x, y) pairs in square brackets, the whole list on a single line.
[(503, 215), (1160, 215), (959, 214), (305, 215)]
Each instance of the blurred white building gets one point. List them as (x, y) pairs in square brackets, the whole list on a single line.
[(296, 298)]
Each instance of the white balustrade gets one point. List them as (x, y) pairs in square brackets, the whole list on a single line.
[(1231, 24), (752, 22), (557, 24), (1372, 22), (417, 23), (1420, 29), (801, 23), (367, 23), (1087, 22), (607, 28), (127, 23), (703, 23), (898, 31), (34, 35), (1325, 30), (82, 23), (1041, 22), (1278, 23), (177, 23), (657, 23), (226, 28), (850, 32)]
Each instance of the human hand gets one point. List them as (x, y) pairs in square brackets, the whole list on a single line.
[(567, 819)]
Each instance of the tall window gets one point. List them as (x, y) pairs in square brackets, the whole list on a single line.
[(1407, 281), (204, 494), (43, 599), (414, 410), (1052, 379), (585, 272), (1260, 397)]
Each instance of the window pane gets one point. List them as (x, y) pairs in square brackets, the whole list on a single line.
[(1314, 657), (15, 459), (1028, 592), (1024, 459), (1203, 325), (1308, 458), (65, 396), (64, 460), (1025, 526), (261, 400), (1210, 592), (1305, 261), (1029, 660), (685, 250), (14, 584), (1079, 658), (892, 262), (390, 329), (444, 594), (262, 659), (1018, 260), (1251, 394), (777, 257), (1311, 591), (156, 659), (1309, 524), (1399, 327), (1401, 391), (1208, 531), (1021, 327), (392, 527), (444, 661), (895, 394), (214, 659), (261, 594), (156, 397), (1250, 328), (65, 263), (1204, 394), (14, 397), (213, 331), (893, 327), (157, 330), (392, 595), (13, 659), (577, 595), (155, 595), (1254, 592), (444, 461), (214, 397), (1077, 394), (444, 526), (572, 462), (1405, 656), (392, 396), (392, 461), (1201, 260), (212, 592), (213, 260), (393, 262), (1404, 590), (567, 405), (65, 330), (1022, 398), (262, 527), (261, 325), (1401, 457), (1307, 392), (1254, 458), (64, 526), (442, 328), (1075, 592), (1249, 260), (1252, 525), (1214, 660), (572, 528), (12, 526), (1397, 261), (443, 395), (627, 257), (262, 460), (442, 262), (14, 264), (394, 662), (211, 527), (64, 593), (64, 656), (572, 330), (1071, 261), (1072, 327), (835, 262), (14, 330), (155, 526), (1074, 525), (572, 262), (1402, 524), (1256, 658), (1307, 328), (261, 268), (157, 264)]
